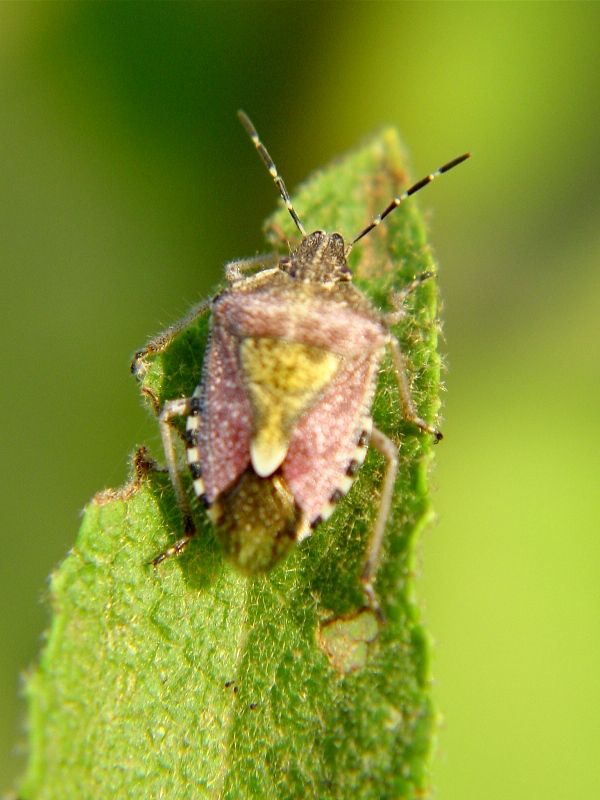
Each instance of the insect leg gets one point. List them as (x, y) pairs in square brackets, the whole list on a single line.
[(408, 406), (160, 342), (234, 269), (389, 451), (171, 409), (397, 298)]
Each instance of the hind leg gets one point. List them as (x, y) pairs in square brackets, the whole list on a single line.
[(389, 451)]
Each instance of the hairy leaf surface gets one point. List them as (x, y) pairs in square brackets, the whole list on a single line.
[(192, 681)]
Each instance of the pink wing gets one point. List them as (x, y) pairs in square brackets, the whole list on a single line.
[(226, 417), (324, 440)]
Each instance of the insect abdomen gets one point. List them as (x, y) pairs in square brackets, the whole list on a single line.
[(256, 521)]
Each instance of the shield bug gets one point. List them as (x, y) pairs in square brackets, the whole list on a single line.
[(280, 421)]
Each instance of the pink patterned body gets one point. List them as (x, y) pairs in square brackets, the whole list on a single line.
[(329, 438)]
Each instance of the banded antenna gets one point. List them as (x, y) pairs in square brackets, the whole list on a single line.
[(413, 190), (270, 165)]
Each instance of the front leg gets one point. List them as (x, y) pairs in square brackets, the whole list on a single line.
[(234, 270), (164, 339)]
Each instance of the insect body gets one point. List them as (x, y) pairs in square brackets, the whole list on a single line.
[(281, 420)]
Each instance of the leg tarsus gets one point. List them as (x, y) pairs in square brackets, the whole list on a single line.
[(143, 464), (372, 601), (179, 546)]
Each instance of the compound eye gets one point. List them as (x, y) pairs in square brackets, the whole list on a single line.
[(286, 264), (336, 245)]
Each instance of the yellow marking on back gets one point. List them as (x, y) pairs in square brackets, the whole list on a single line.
[(283, 379)]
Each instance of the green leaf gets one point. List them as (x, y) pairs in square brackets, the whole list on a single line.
[(192, 681)]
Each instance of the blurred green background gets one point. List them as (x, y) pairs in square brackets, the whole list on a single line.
[(126, 182)]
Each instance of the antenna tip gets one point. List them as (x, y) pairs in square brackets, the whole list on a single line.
[(245, 120), (460, 159), (454, 163)]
